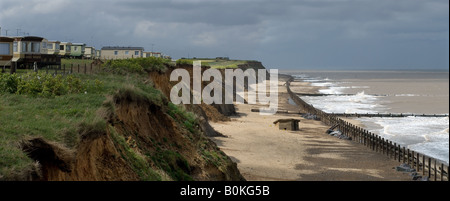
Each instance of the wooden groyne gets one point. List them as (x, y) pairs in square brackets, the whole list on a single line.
[(434, 169), (387, 115), (305, 94)]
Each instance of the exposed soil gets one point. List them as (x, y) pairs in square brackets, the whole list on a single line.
[(149, 132)]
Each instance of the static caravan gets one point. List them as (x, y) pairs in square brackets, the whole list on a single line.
[(27, 51), (152, 54), (44, 49), (89, 52), (6, 51), (121, 52), (49, 56), (98, 54), (64, 49), (77, 50), (53, 47)]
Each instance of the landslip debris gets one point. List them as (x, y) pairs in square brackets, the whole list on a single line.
[(311, 116), (338, 134), (412, 172)]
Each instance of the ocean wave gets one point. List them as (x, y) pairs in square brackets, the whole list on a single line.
[(427, 135), (407, 95)]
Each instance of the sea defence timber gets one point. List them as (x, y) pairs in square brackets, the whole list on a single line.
[(430, 167), (358, 115), (387, 115), (303, 94)]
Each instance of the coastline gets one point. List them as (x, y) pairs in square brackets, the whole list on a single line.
[(263, 152)]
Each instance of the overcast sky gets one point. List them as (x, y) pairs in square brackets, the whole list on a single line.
[(283, 34)]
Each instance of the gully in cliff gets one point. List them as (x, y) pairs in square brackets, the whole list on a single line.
[(232, 77)]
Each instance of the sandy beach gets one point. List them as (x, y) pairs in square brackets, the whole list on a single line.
[(263, 152)]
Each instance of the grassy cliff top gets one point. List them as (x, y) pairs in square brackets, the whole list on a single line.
[(215, 63)]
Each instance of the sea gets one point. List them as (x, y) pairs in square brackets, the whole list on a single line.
[(407, 92)]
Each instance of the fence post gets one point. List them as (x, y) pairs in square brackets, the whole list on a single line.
[(403, 155), (376, 143), (412, 158), (364, 138), (442, 171), (429, 167), (388, 145), (395, 151), (408, 161), (360, 136), (371, 142), (418, 161), (435, 170), (379, 143), (85, 68), (64, 69), (424, 164), (367, 141)]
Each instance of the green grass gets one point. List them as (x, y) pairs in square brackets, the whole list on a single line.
[(205, 62), (227, 64), (62, 118), (137, 161), (189, 119), (138, 65), (57, 118), (173, 163), (213, 63), (76, 62)]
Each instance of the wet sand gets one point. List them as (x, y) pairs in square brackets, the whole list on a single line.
[(263, 152)]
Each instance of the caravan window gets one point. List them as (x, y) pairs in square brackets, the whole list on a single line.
[(35, 47), (15, 47), (4, 49)]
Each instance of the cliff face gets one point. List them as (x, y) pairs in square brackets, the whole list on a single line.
[(139, 139), (213, 112)]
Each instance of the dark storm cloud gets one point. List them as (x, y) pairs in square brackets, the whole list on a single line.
[(282, 34), (210, 12)]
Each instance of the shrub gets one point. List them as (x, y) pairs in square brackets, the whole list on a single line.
[(8, 83), (191, 62), (153, 64), (137, 65), (46, 85), (188, 119)]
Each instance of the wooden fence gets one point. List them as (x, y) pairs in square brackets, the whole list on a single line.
[(64, 69), (73, 68), (433, 168)]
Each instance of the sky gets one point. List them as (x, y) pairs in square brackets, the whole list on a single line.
[(282, 34)]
